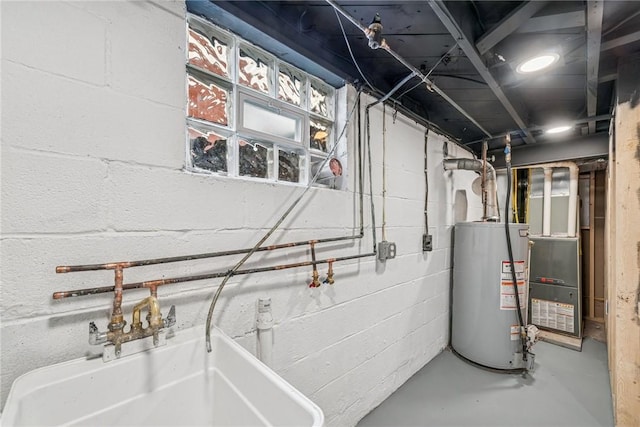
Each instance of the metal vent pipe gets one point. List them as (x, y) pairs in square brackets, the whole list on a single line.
[(477, 165)]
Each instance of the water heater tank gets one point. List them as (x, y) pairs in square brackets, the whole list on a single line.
[(484, 322)]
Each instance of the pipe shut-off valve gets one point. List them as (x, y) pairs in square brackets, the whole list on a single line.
[(374, 32), (530, 337)]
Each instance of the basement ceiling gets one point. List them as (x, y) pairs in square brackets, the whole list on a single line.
[(470, 51)]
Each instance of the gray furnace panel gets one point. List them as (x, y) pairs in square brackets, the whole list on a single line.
[(555, 285)]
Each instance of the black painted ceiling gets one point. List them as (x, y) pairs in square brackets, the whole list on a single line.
[(590, 37)]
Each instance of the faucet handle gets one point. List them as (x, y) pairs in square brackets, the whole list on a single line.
[(95, 336), (171, 317)]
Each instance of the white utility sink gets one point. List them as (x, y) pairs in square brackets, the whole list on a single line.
[(179, 384)]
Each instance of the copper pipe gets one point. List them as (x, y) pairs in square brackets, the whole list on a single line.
[(140, 263), (314, 282), (169, 281), (117, 320), (117, 323), (330, 274)]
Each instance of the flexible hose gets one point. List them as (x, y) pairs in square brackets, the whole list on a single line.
[(507, 206), (270, 232)]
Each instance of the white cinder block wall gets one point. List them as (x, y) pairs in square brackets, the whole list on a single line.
[(93, 151)]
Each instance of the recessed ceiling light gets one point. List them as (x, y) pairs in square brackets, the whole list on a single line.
[(538, 63), (559, 129)]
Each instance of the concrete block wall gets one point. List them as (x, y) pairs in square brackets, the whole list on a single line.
[(93, 154)]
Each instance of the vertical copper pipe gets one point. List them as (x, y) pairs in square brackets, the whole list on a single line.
[(315, 282), (153, 291), (117, 320), (330, 274)]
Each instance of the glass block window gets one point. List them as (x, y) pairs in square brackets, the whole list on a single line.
[(208, 101), (254, 158), (251, 115), (289, 163), (320, 133), (321, 101), (208, 150), (254, 69), (290, 85), (209, 53)]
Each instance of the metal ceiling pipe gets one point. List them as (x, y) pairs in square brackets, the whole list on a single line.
[(539, 128), (404, 62), (441, 11)]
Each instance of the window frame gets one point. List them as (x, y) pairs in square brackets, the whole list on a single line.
[(273, 106)]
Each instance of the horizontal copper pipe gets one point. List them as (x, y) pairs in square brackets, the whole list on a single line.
[(128, 264), (161, 282)]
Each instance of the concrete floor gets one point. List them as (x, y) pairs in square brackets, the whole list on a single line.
[(568, 388)]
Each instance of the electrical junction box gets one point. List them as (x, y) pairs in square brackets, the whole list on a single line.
[(427, 242), (386, 250)]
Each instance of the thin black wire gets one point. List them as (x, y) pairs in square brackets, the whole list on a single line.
[(428, 74), (346, 40)]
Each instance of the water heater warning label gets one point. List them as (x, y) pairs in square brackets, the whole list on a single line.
[(507, 292), (553, 315)]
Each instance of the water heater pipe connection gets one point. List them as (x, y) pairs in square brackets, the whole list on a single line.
[(476, 165)]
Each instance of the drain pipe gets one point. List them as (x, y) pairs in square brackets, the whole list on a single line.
[(265, 331), (478, 166)]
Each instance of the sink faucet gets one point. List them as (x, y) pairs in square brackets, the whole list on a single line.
[(116, 334)]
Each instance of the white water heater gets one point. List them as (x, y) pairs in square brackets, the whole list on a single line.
[(484, 322)]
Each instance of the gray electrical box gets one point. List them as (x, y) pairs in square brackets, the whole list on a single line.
[(386, 250), (555, 295)]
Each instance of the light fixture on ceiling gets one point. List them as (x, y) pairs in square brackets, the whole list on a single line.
[(558, 129), (537, 63)]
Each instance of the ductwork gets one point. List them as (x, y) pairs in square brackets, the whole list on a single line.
[(572, 218)]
